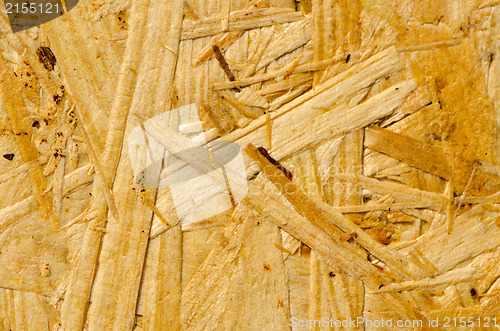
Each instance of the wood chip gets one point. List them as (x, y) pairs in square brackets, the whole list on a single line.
[(238, 20)]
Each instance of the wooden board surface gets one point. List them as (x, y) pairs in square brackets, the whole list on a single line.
[(251, 165)]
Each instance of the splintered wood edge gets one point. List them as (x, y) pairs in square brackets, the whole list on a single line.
[(337, 250)]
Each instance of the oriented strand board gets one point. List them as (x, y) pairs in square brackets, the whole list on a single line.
[(339, 161)]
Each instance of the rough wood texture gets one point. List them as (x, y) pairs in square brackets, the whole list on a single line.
[(251, 165)]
